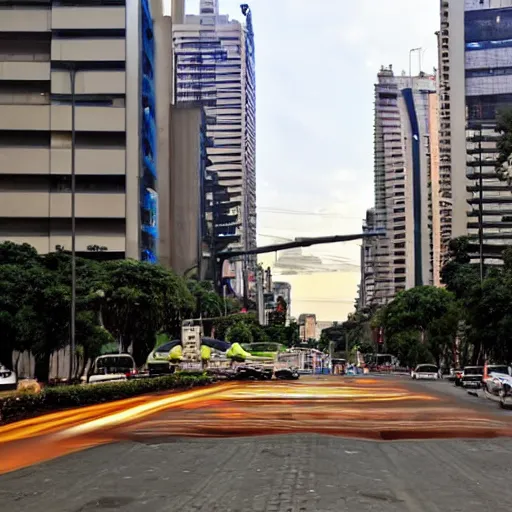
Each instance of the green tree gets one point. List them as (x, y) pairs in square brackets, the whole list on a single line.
[(485, 318), (424, 315), (208, 303), (504, 142), (239, 333), (45, 319), (13, 286), (222, 324), (142, 300), (127, 302), (337, 335)]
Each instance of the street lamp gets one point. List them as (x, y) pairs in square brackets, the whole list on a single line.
[(480, 209), (411, 51), (72, 80)]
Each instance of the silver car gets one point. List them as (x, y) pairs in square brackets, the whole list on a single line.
[(426, 372)]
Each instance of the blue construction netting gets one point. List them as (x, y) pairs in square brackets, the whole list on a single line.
[(416, 183), (148, 182)]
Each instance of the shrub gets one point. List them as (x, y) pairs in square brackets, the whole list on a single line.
[(25, 405)]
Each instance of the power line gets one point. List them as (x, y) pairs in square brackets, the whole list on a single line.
[(326, 300), (303, 212)]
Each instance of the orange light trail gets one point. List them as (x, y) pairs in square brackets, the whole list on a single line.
[(360, 408)]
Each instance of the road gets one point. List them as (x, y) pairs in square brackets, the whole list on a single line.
[(220, 450)]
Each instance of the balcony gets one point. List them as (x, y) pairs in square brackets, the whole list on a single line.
[(12, 70), (24, 117), (89, 119), (77, 18), (24, 160), (58, 205), (88, 161), (89, 82), (84, 50), (24, 20), (89, 205)]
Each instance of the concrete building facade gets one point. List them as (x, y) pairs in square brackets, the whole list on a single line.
[(475, 68), (403, 258), (98, 56), (188, 228)]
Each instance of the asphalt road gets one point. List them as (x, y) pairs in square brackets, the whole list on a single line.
[(152, 470)]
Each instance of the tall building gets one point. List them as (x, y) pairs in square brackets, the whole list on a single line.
[(188, 230), (307, 327), (368, 271), (78, 79), (475, 66), (215, 68), (403, 258)]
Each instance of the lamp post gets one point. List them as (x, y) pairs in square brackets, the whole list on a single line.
[(72, 80), (411, 51), (480, 209)]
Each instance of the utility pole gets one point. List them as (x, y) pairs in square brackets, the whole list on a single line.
[(260, 284), (268, 287), (245, 283), (224, 300)]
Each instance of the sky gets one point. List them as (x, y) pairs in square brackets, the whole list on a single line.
[(315, 69)]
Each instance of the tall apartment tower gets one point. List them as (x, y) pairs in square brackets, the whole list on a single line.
[(403, 258), (368, 248), (98, 58), (475, 56), (215, 69)]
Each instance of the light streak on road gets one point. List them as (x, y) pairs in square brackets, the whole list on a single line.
[(361, 408)]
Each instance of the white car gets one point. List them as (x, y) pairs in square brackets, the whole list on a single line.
[(8, 379), (425, 371), (112, 368), (498, 385)]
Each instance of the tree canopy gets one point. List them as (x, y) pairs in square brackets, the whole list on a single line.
[(121, 302), (420, 325)]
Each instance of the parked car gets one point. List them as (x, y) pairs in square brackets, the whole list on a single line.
[(472, 377), (158, 360), (502, 369), (287, 374), (425, 371), (497, 385), (8, 379)]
